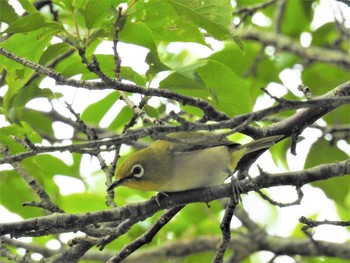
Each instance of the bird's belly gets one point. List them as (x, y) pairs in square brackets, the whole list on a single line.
[(198, 169)]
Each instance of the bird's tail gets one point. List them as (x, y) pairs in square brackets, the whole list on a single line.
[(238, 152), (260, 144)]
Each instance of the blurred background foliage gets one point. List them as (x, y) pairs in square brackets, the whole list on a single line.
[(165, 36)]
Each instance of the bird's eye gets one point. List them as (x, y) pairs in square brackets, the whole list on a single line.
[(137, 170)]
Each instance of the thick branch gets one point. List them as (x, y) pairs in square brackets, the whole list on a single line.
[(59, 223), (288, 44), (299, 121), (179, 249), (275, 244)]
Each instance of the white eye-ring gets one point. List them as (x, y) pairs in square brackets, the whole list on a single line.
[(137, 171)]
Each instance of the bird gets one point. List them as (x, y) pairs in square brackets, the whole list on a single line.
[(186, 160)]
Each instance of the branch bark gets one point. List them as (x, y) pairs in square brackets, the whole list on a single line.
[(282, 42), (316, 108), (60, 223)]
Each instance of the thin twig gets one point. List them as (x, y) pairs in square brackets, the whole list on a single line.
[(248, 11), (279, 14), (300, 193), (309, 223), (108, 83), (146, 237), (253, 8), (45, 202), (225, 230), (306, 90), (301, 119), (94, 67), (117, 67), (347, 2), (5, 252)]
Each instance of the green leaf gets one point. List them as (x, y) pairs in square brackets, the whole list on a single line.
[(96, 111), (250, 65), (18, 75), (52, 52), (10, 183), (107, 66), (27, 93), (70, 5), (27, 23), (75, 68), (123, 117), (214, 16), (192, 112), (266, 70), (96, 12), (321, 77), (207, 219), (239, 43), (82, 202), (28, 6), (337, 188), (324, 259), (151, 111), (51, 166), (246, 66), (155, 64), (8, 13), (22, 97), (279, 153), (325, 35), (39, 121), (7, 134), (163, 21), (243, 3), (285, 60), (214, 82), (7, 140), (290, 25), (343, 210), (339, 115), (232, 56), (139, 34), (179, 81), (31, 134), (127, 73), (230, 93)]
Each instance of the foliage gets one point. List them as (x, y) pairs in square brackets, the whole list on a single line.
[(220, 84)]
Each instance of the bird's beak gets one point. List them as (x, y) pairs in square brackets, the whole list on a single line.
[(117, 183)]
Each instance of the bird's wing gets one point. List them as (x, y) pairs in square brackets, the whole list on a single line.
[(183, 142)]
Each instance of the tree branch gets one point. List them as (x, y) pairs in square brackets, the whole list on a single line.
[(45, 200), (225, 227), (309, 223), (59, 223), (316, 108), (285, 43), (347, 2), (146, 237), (208, 109)]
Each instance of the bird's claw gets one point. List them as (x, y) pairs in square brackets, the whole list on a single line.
[(237, 190), (156, 197)]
